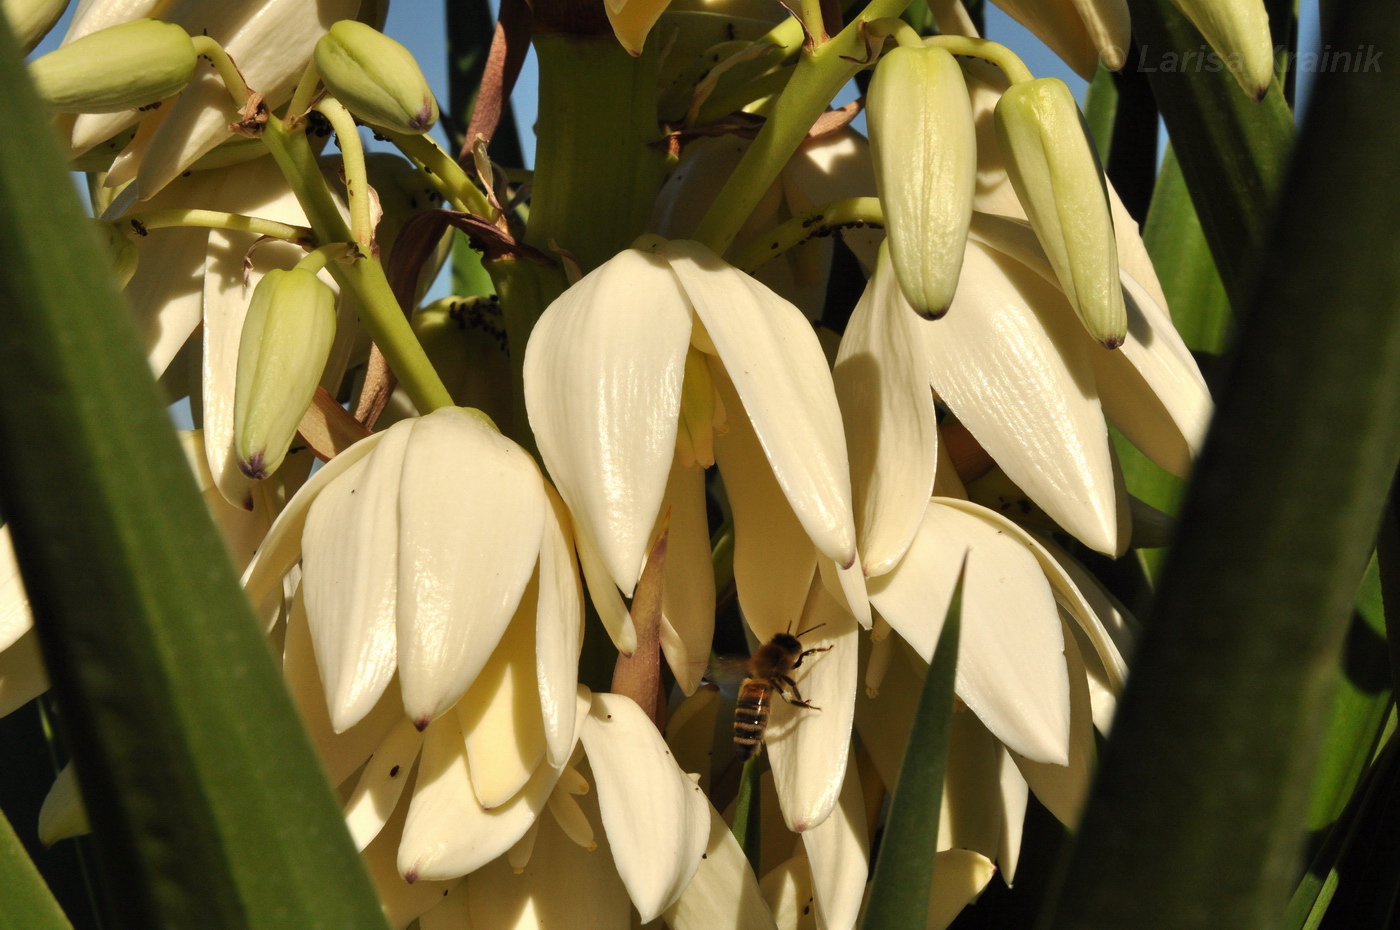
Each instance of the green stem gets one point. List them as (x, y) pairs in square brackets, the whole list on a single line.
[(218, 219), (379, 310), (819, 75), (320, 258), (856, 211), (305, 92), (456, 186), (228, 71), (352, 154), (1001, 56)]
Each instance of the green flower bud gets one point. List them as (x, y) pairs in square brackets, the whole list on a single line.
[(376, 78), (119, 68), (1056, 173), (924, 145), (31, 20), (286, 340), (120, 248), (1239, 31)]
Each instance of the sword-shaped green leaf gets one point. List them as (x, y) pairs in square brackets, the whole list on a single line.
[(208, 804)]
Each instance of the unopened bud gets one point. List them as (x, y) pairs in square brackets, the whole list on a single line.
[(1057, 177), (31, 20), (120, 248), (924, 145), (376, 78), (286, 340), (1238, 30), (119, 68)]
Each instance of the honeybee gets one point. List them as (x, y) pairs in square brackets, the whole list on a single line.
[(770, 670)]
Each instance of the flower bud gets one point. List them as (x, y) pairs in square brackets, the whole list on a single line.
[(31, 20), (120, 248), (286, 340), (1056, 173), (376, 78), (119, 68), (1239, 31), (924, 146)]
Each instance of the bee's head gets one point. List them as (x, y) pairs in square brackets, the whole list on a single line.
[(787, 642)]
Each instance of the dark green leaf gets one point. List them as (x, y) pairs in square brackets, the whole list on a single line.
[(209, 806), (748, 819), (1232, 150), (25, 901), (904, 869), (1198, 814)]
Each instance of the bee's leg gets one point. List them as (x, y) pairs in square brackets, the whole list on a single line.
[(796, 699), (809, 652)]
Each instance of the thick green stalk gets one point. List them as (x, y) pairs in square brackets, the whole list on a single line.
[(1198, 813), (1232, 150), (597, 169), (208, 804), (380, 312)]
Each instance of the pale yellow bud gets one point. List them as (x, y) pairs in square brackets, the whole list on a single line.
[(1239, 31), (1052, 165), (924, 145), (376, 78), (286, 340), (31, 20), (119, 68)]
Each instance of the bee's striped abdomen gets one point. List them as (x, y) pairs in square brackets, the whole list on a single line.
[(751, 717)]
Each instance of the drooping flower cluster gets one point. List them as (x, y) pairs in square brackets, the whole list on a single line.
[(424, 588)]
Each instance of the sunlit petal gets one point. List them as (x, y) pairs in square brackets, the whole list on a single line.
[(839, 852), (558, 629), (603, 375)]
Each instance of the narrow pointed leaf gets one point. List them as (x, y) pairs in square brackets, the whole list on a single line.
[(182, 693), (899, 894), (29, 905), (1220, 722)]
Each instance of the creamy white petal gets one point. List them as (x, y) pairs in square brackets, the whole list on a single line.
[(883, 719), (1151, 387), (271, 46), (500, 713), (1011, 668), (787, 889), (350, 578), (1106, 626), (776, 364), (63, 815), (451, 912), (471, 518), (242, 530), (972, 815), (655, 817), (959, 875), (1015, 795), (1057, 23), (22, 675), (15, 618), (558, 629), (447, 834), (847, 587), (166, 294), (724, 892), (562, 885), (603, 374), (403, 901), (774, 559), (612, 610), (808, 747), (1062, 788), (688, 593), (342, 754), (691, 732), (282, 548), (835, 167), (882, 383), (381, 785), (839, 852), (1010, 363), (1109, 27)]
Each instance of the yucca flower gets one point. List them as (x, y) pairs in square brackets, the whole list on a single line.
[(626, 377)]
